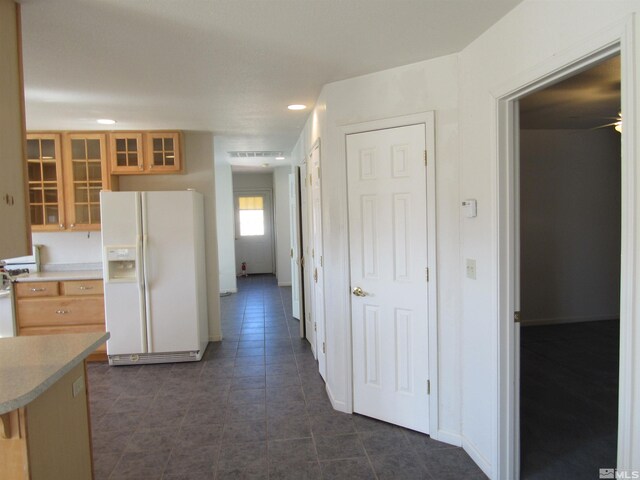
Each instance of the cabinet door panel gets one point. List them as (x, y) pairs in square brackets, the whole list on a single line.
[(44, 170), (163, 152), (125, 151), (86, 173)]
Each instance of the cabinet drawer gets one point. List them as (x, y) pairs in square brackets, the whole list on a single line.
[(37, 289), (60, 311), (82, 287)]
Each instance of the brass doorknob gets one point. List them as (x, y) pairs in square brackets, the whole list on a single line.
[(358, 292)]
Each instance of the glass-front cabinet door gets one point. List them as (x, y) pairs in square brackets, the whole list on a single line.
[(86, 173), (44, 168), (163, 152), (125, 152)]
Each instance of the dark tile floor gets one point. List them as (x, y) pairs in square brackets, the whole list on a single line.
[(254, 408), (569, 400)]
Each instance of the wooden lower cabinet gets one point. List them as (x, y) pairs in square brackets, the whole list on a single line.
[(44, 308), (49, 438)]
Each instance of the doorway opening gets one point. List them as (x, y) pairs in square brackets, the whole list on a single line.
[(568, 186)]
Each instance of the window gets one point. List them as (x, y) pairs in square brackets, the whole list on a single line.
[(251, 211)]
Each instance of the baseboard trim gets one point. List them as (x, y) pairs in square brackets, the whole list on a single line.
[(451, 438), (337, 404), (284, 284), (477, 457), (215, 338), (560, 320)]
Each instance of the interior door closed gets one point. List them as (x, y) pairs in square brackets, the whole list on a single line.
[(388, 251), (254, 232)]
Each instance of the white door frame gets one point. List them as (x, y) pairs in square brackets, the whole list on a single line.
[(428, 119), (617, 39)]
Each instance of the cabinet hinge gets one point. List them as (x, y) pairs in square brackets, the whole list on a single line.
[(428, 387), (425, 158), (516, 317), (324, 348)]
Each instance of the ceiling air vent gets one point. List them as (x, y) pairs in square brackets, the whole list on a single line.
[(255, 154)]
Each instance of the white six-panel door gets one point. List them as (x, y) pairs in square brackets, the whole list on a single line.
[(317, 259), (388, 251), (307, 277), (294, 240)]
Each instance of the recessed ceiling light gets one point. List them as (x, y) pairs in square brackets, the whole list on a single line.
[(279, 158), (105, 121), (296, 107)]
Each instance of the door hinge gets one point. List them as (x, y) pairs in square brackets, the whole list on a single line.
[(313, 253), (516, 317), (315, 326), (292, 253), (315, 275), (302, 262), (428, 387), (426, 273), (321, 261), (425, 158), (324, 348)]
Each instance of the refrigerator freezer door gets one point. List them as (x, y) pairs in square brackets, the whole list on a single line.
[(172, 265), (124, 299)]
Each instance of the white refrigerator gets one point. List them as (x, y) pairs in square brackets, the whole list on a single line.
[(154, 276)]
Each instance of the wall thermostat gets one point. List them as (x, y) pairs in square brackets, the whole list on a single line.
[(470, 208)]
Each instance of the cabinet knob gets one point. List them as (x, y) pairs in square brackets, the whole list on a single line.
[(62, 312), (82, 287), (61, 225), (73, 225), (38, 289)]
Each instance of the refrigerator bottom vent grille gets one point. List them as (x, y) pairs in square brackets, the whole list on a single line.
[(144, 358)]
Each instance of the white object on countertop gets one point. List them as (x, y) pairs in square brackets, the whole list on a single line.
[(32, 262), (154, 271), (60, 276)]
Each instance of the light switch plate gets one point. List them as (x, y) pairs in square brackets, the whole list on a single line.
[(471, 268), (78, 386)]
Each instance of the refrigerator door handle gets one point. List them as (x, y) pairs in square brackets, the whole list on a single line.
[(141, 295), (145, 261)]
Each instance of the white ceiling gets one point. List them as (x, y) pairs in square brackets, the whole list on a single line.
[(587, 100), (226, 66)]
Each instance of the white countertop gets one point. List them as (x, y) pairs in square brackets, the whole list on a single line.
[(29, 365), (61, 276)]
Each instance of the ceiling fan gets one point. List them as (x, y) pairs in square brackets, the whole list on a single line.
[(616, 124)]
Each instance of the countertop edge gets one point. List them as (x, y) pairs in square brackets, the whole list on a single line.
[(38, 390), (61, 276)]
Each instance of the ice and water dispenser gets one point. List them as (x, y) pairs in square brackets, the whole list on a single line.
[(121, 262)]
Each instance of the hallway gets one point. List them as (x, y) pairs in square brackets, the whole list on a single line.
[(254, 407)]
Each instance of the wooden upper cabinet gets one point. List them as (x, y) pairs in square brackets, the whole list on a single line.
[(135, 153), (44, 171), (86, 172), (125, 152)]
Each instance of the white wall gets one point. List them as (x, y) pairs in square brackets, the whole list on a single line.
[(282, 224), (519, 46), (252, 181), (420, 87), (225, 223), (570, 225), (69, 249), (199, 175)]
